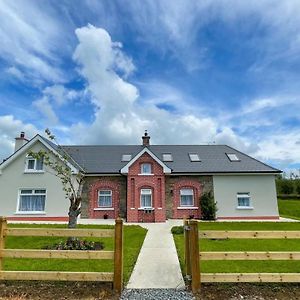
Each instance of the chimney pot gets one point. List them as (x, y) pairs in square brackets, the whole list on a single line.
[(20, 141)]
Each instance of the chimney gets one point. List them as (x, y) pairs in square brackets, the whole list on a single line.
[(20, 141), (146, 139)]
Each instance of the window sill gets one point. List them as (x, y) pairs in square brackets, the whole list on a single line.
[(104, 208), (187, 207), (245, 207), (145, 208), (30, 213), (145, 174), (33, 172)]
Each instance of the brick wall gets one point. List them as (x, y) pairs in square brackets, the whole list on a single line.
[(117, 184), (136, 182), (199, 184)]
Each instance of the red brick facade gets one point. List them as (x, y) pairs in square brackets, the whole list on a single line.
[(155, 182), (96, 212)]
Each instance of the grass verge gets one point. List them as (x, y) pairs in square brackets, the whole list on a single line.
[(244, 245), (133, 240), (289, 208)]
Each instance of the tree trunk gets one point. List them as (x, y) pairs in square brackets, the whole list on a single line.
[(73, 214)]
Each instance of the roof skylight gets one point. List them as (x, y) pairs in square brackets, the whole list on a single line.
[(232, 157), (194, 157), (126, 157), (167, 157)]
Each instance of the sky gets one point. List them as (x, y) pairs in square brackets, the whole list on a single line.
[(190, 72)]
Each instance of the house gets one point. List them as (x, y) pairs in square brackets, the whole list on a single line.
[(142, 183)]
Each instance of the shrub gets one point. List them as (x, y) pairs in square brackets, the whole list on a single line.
[(76, 244), (208, 207), (177, 230)]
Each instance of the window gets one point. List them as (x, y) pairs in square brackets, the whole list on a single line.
[(232, 157), (243, 199), (167, 157), (186, 197), (146, 168), (146, 198), (34, 165), (194, 157), (105, 198), (32, 200), (126, 157)]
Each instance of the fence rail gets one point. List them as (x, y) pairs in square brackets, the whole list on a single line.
[(192, 261), (115, 277)]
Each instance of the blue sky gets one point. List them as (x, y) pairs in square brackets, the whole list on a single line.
[(190, 72)]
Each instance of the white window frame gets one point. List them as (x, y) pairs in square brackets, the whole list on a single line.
[(244, 195), (34, 170), (194, 157), (146, 191), (142, 169), (167, 157), (193, 198), (24, 212), (233, 157), (126, 157), (111, 199)]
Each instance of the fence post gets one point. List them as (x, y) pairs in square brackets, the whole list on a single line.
[(187, 259), (194, 255), (3, 226), (118, 261)]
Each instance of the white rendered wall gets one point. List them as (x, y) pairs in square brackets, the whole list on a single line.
[(13, 178), (262, 192)]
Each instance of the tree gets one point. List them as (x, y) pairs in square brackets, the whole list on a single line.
[(208, 207), (62, 165), (284, 186)]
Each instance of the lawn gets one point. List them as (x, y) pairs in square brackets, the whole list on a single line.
[(289, 208), (244, 245), (133, 240)]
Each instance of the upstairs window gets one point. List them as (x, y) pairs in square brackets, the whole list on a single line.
[(146, 168), (232, 157), (146, 198), (126, 157), (243, 200), (34, 165), (194, 157), (105, 198), (186, 197), (167, 157), (32, 200)]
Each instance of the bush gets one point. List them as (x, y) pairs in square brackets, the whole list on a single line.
[(285, 186), (76, 244), (208, 207), (177, 230)]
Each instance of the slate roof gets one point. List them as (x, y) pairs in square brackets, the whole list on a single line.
[(108, 159)]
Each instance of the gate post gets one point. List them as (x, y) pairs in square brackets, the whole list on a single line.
[(3, 226), (187, 258), (118, 257), (194, 256)]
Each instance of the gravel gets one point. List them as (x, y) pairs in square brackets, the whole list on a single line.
[(156, 294)]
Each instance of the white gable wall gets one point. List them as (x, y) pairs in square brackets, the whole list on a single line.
[(13, 179), (262, 191)]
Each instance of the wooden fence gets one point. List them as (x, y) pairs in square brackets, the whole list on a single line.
[(115, 277), (193, 256)]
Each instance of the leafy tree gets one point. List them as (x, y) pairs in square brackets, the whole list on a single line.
[(208, 207), (285, 186), (59, 164), (297, 186)]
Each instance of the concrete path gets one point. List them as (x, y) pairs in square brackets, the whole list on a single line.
[(157, 265)]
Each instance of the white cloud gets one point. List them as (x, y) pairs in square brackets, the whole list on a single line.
[(44, 106), (9, 129), (30, 39), (119, 117)]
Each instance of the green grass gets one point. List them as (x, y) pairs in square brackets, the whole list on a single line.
[(244, 245), (133, 240), (289, 208)]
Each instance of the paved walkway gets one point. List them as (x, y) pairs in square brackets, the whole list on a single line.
[(157, 265)]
